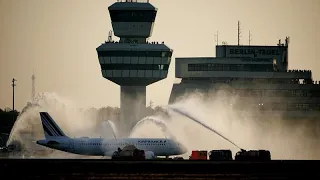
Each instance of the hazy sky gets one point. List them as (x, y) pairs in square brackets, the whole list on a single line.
[(57, 39)]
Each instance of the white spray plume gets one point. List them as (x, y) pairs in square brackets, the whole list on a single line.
[(284, 140), (27, 129), (150, 123)]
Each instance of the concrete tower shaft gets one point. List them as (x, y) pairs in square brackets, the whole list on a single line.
[(133, 63)]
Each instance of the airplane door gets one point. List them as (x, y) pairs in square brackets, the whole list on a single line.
[(71, 143)]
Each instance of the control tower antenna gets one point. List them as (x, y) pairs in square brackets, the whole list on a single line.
[(250, 39), (239, 33), (217, 37), (110, 36), (13, 85), (287, 41), (33, 91)]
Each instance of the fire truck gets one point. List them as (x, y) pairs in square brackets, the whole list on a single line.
[(199, 155), (253, 155), (220, 155)]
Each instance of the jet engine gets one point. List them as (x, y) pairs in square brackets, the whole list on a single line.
[(149, 155)]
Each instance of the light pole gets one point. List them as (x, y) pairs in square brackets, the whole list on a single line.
[(13, 85)]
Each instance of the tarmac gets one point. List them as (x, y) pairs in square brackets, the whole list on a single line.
[(155, 169)]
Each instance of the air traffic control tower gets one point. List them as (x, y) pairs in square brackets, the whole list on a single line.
[(133, 62)]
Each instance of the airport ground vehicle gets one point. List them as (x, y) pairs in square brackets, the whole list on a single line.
[(128, 154), (220, 155), (253, 155), (178, 158), (199, 155)]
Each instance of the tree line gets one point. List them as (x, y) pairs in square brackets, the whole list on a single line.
[(113, 113), (8, 116)]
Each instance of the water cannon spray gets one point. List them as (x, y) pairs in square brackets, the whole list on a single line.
[(197, 121)]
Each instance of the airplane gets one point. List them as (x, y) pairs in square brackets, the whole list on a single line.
[(55, 138)]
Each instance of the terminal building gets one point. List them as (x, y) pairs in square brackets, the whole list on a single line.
[(257, 75), (133, 62)]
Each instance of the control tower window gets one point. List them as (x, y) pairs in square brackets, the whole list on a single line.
[(230, 67), (161, 67), (133, 16), (164, 67), (134, 54)]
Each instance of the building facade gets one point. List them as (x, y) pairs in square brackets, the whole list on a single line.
[(257, 75)]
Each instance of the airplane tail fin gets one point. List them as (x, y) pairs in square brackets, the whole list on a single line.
[(50, 128)]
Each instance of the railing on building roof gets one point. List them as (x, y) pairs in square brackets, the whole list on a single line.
[(134, 1), (147, 42), (294, 70)]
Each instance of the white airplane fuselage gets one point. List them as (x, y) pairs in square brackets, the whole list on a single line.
[(106, 147), (55, 138)]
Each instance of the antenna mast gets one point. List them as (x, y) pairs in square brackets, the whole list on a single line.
[(239, 32), (250, 38), (33, 91), (13, 85), (110, 36), (217, 37)]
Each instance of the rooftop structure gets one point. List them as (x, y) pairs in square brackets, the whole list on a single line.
[(257, 75), (133, 62)]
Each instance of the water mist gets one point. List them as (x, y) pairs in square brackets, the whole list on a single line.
[(158, 122), (28, 128), (284, 140), (211, 110), (184, 113)]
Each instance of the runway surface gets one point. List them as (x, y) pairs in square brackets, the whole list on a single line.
[(161, 169)]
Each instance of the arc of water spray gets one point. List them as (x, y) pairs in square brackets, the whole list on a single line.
[(113, 128), (195, 120), (157, 122)]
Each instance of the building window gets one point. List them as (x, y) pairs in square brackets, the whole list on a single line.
[(230, 67)]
